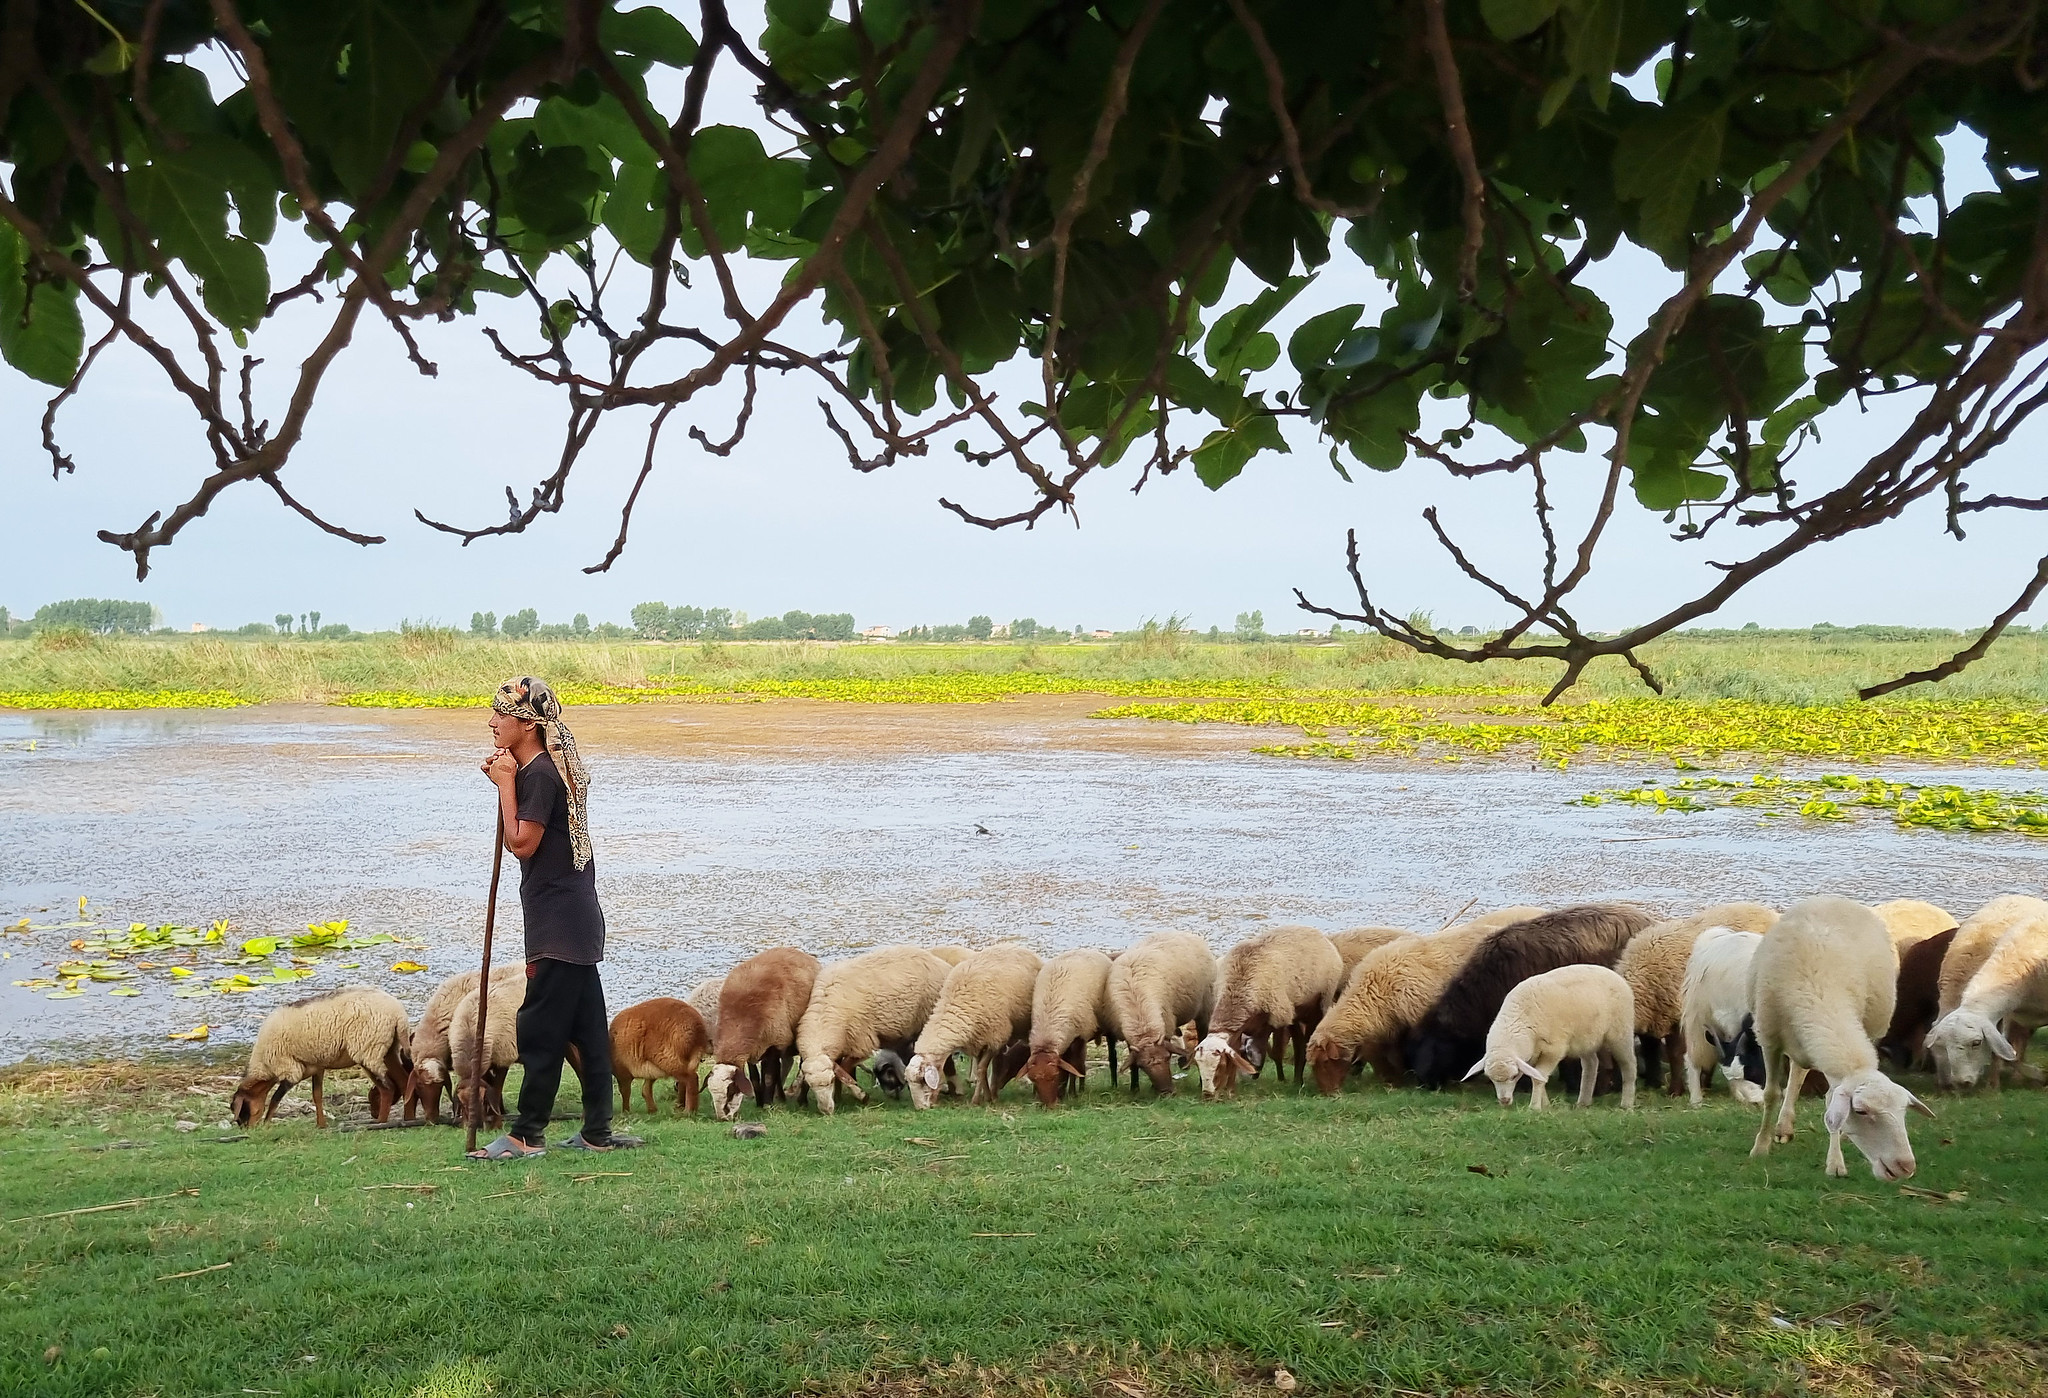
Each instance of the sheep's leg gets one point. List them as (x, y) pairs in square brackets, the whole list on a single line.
[(1589, 1074), (1836, 1166), (1625, 1060), (625, 1091), (687, 1090), (1674, 1053), (647, 1093), (319, 1099), (1302, 1029), (1109, 1040), (1795, 1078), (1776, 1068)]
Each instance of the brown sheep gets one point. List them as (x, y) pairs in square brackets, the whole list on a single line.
[(1919, 1000), (1270, 986), (655, 1039), (1359, 942), (1653, 963), (759, 1006)]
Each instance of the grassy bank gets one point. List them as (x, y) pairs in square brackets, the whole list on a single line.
[(1125, 1251), (1776, 667)]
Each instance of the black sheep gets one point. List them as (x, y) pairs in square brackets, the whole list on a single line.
[(1919, 1002)]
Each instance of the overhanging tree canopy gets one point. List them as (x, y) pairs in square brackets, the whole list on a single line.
[(1052, 197)]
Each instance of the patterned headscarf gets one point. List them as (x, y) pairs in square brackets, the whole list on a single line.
[(532, 700)]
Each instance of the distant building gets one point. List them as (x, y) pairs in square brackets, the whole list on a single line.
[(1308, 631), (199, 626), (1102, 635), (878, 633), (1000, 633)]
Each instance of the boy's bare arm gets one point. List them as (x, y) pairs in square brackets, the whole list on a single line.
[(522, 837)]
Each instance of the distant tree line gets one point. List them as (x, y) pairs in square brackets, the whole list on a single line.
[(657, 621), (99, 615)]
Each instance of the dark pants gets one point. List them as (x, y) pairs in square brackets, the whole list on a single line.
[(564, 1006)]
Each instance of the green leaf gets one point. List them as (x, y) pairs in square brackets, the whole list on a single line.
[(1376, 427), (803, 16), (1224, 453), (1511, 19), (42, 336), (1594, 30), (1662, 160), (633, 212), (550, 191), (1230, 347), (1780, 425), (651, 33), (1318, 337), (235, 283)]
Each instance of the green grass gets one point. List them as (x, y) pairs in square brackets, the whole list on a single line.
[(1169, 1248), (1774, 667)]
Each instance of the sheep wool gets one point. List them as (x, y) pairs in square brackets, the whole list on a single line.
[(1277, 983), (1163, 982), (760, 1003), (356, 1026), (2001, 1007), (1714, 1016), (703, 998), (1572, 1012), (657, 1039), (1822, 986), (1653, 963), (430, 1046), (501, 1039), (983, 1007), (855, 1005), (1357, 943), (1069, 1007), (1910, 921)]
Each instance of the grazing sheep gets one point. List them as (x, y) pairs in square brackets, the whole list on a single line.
[(704, 1000), (983, 1007), (1572, 1012), (759, 1006), (856, 1005), (501, 1046), (1069, 1007), (1357, 943), (1972, 946), (1274, 984), (1821, 986), (656, 1039), (1453, 1033), (1165, 981), (886, 1068), (1389, 992), (1910, 921), (1653, 963), (1918, 1004), (357, 1026), (430, 1046), (1714, 1016), (2011, 990)]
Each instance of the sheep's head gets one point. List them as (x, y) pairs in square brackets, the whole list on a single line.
[(1156, 1059), (729, 1087), (1870, 1109), (822, 1078), (1966, 1042), (926, 1076), (1506, 1071), (888, 1071), (1329, 1062), (1219, 1059), (1047, 1073), (248, 1104)]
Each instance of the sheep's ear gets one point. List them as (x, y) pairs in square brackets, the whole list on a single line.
[(1840, 1103), (1919, 1106), (1531, 1071), (839, 1072), (1475, 1071), (1998, 1044), (1071, 1069)]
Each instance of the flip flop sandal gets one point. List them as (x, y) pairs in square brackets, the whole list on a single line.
[(576, 1142), (505, 1148)]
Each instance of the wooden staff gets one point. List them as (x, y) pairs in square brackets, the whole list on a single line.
[(483, 983)]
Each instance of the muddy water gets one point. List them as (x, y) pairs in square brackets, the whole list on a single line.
[(724, 828)]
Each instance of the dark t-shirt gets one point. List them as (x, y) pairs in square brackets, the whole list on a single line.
[(563, 921)]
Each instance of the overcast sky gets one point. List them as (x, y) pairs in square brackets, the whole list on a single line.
[(784, 523)]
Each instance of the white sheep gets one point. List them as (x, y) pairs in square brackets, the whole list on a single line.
[(1069, 1006), (855, 1005), (501, 1042), (1166, 980), (1714, 1013), (1909, 920), (2009, 993), (430, 1046), (1653, 963), (1980, 932), (1272, 985), (1822, 986), (357, 1026), (704, 1000), (1577, 1012), (983, 1007)]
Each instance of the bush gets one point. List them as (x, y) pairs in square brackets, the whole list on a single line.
[(101, 616), (520, 625)]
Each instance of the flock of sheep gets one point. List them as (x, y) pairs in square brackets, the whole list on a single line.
[(1597, 989)]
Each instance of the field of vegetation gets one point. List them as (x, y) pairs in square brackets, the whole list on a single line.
[(1376, 1242), (70, 669)]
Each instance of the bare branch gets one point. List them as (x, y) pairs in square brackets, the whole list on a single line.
[(1976, 649)]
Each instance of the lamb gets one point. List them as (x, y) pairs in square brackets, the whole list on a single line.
[(1910, 921), (1453, 1033), (2010, 988), (1357, 943), (1654, 962), (704, 1000), (1822, 986), (759, 1006), (1714, 1016), (357, 1026), (1163, 982), (501, 1042), (1919, 1000), (1972, 946), (983, 1007), (1069, 1007), (1388, 993), (655, 1039), (1574, 1011), (1277, 983), (430, 1046), (886, 994)]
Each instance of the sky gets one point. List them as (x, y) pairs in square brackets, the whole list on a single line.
[(784, 522)]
